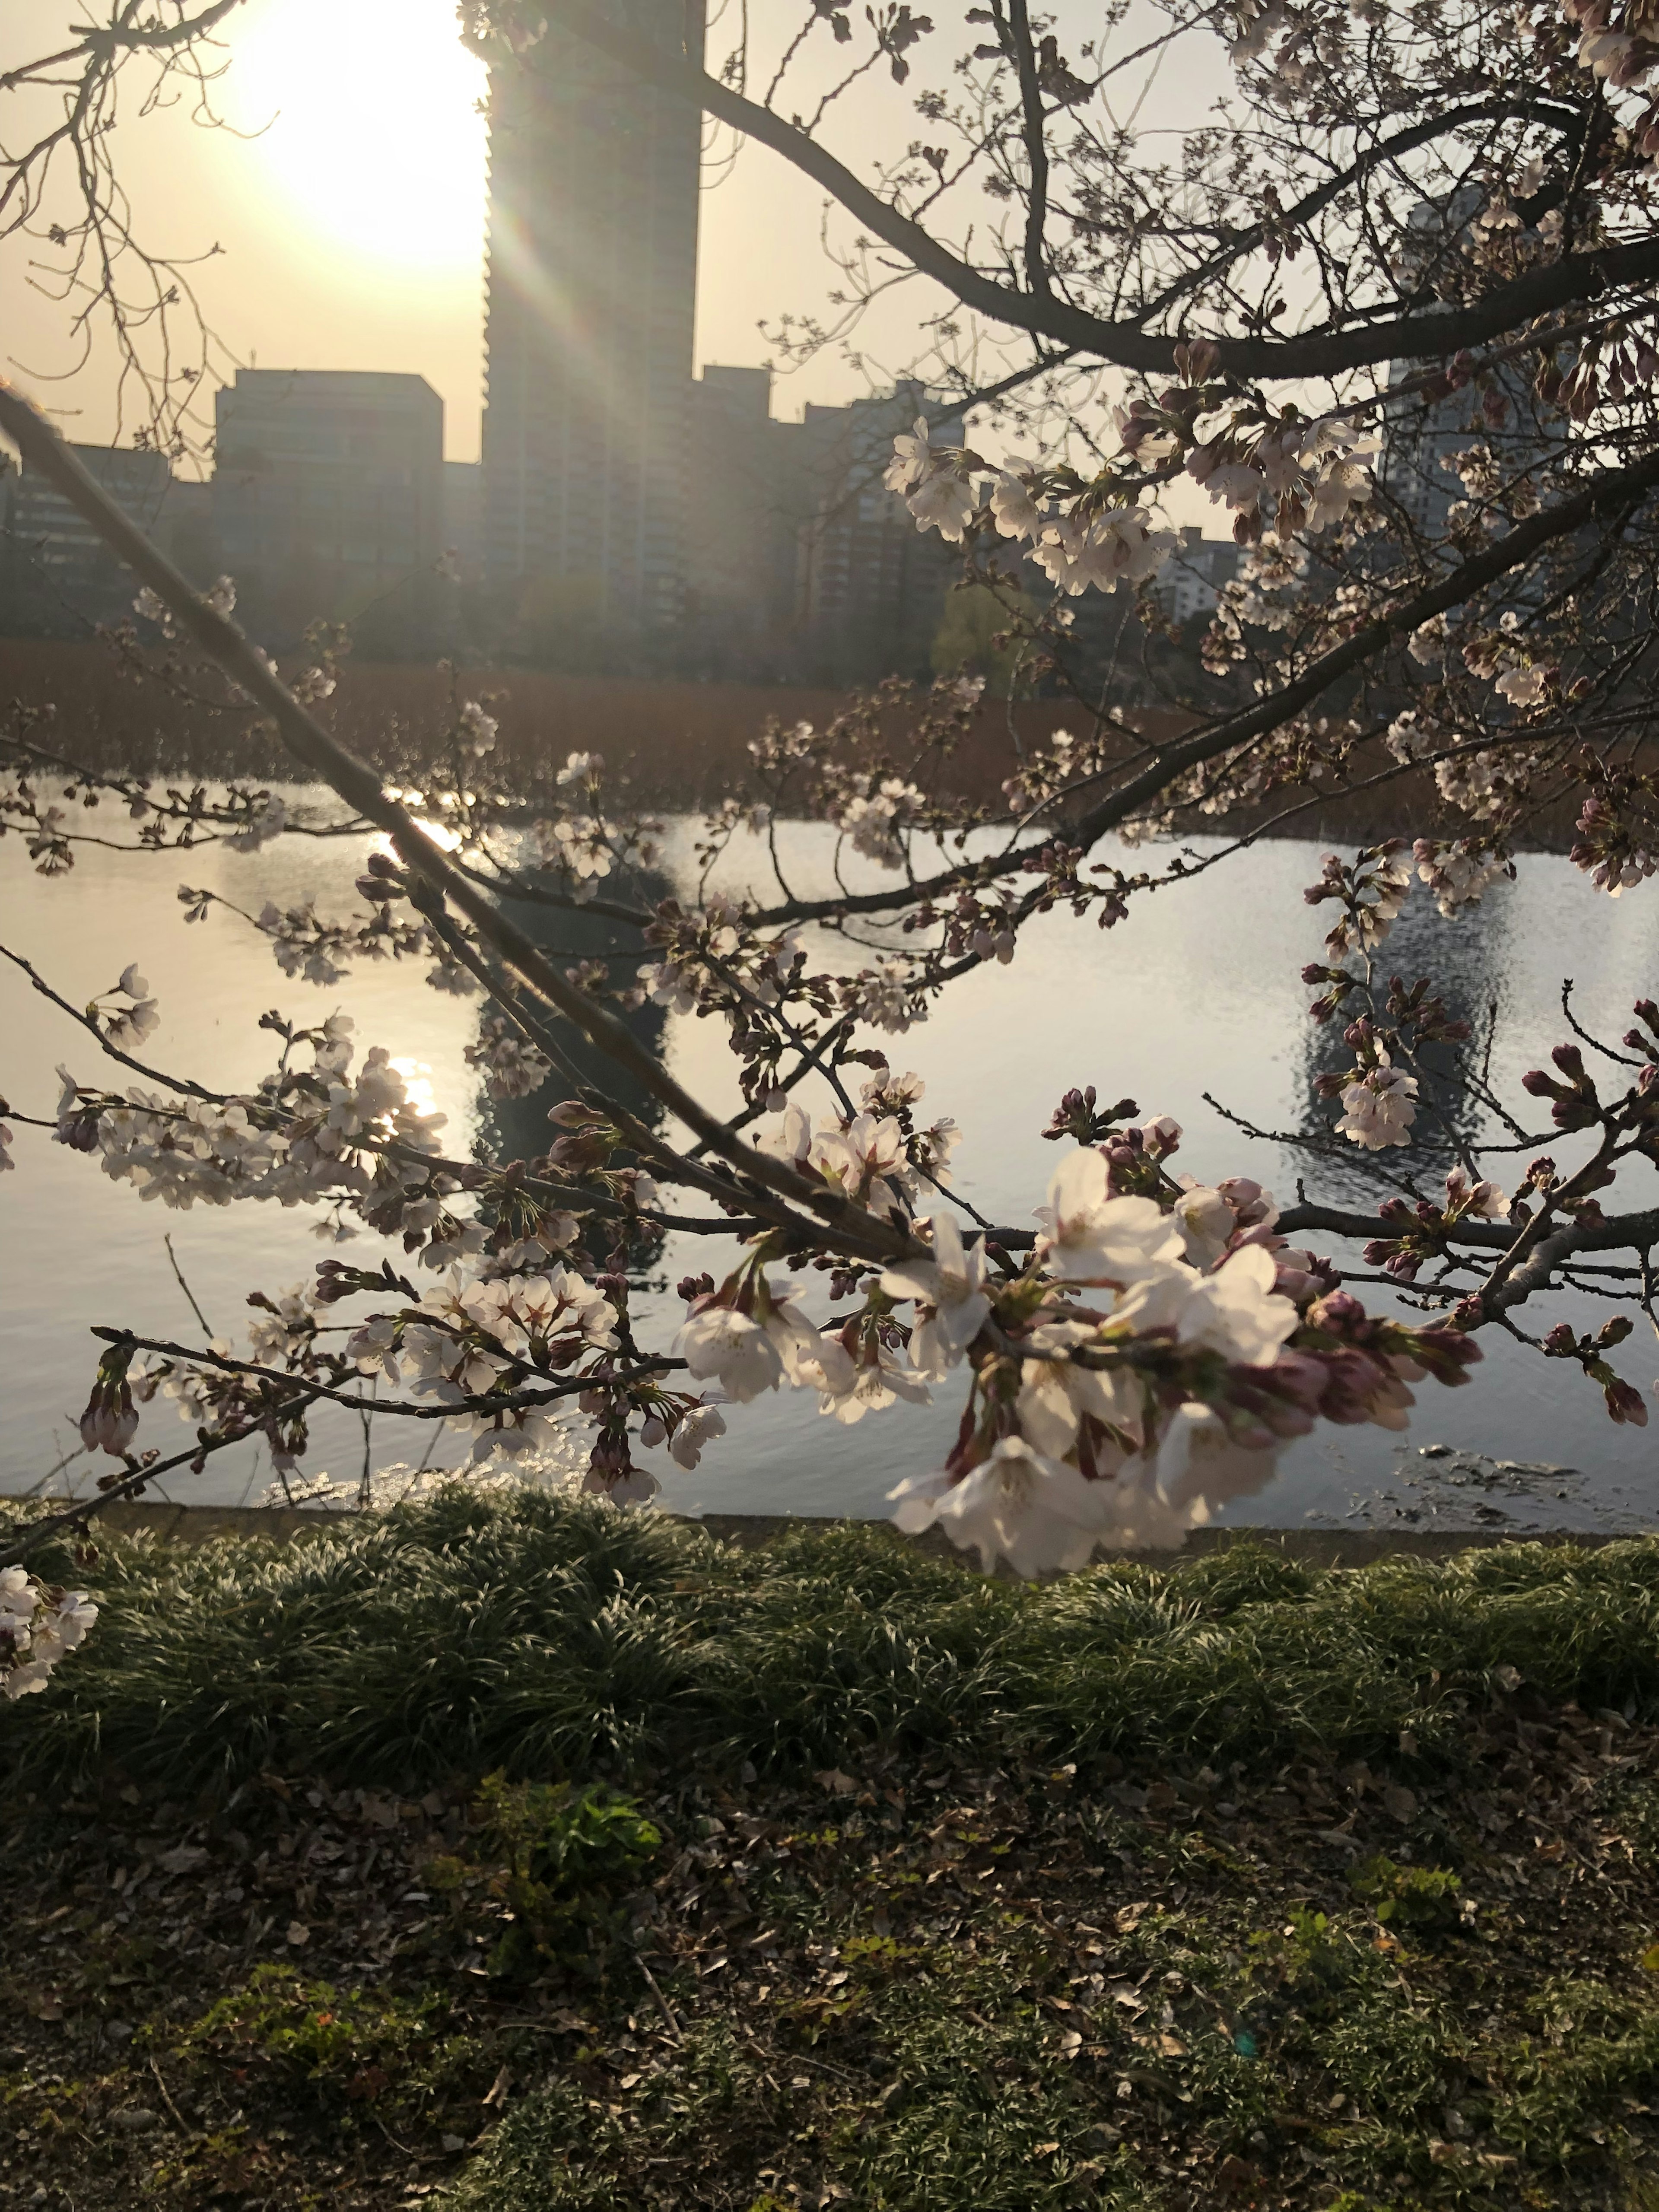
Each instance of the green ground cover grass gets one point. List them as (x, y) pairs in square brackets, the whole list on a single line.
[(552, 1638), (527, 1856)]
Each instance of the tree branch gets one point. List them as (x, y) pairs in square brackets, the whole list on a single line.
[(1126, 343), (362, 789), (1470, 577)]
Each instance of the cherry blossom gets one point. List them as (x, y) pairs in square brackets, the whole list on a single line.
[(865, 1160), (38, 1626), (1379, 1107), (1037, 1513), (879, 1376), (698, 1425), (265, 822), (1091, 1237), (950, 1289), (1480, 1201)]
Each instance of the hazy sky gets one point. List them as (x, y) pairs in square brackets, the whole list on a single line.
[(347, 192)]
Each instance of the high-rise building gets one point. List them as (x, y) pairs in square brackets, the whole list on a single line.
[(1192, 581), (747, 498), (463, 518), (327, 493), (58, 576), (870, 587), (592, 257)]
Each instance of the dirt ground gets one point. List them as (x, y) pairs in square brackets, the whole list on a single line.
[(906, 1987)]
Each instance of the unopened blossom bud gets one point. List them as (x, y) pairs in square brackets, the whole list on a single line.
[(578, 1154), (653, 1429), (1560, 1343), (1645, 1011), (1625, 1404), (694, 1286), (110, 1419), (1537, 1084), (1615, 1330), (571, 1114), (1468, 1313), (1162, 1136), (1339, 1313), (1570, 1060), (1446, 1352)]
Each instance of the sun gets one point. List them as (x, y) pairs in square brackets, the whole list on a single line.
[(371, 143)]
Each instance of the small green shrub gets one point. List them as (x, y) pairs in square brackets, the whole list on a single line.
[(351, 2047), (1426, 1899), (1390, 2059), (569, 1854), (1308, 1954)]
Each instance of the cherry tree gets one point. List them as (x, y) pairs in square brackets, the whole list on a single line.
[(1390, 310)]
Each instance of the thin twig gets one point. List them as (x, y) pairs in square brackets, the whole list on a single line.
[(179, 1277), (663, 2004)]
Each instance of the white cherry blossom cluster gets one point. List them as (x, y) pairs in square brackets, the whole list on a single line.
[(1460, 874), (284, 1327), (466, 1340), (1379, 1107), (716, 959), (1371, 893), (478, 730), (1486, 786), (265, 819), (1308, 473), (38, 1626), (1101, 539), (586, 846), (873, 819), (936, 482), (883, 994), (286, 1142), (511, 1066), (874, 1159), (1135, 1369), (220, 596), (126, 1027), (1113, 546)]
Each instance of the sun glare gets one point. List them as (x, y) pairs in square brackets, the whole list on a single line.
[(417, 1084), (375, 148)]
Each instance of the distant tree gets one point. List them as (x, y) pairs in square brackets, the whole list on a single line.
[(986, 633)]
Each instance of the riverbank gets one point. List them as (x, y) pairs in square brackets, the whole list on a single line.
[(191, 1525), (669, 744), (860, 1880)]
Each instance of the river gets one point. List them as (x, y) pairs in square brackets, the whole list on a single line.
[(1198, 990)]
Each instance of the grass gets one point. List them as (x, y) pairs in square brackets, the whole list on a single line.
[(522, 1856), (546, 1637)]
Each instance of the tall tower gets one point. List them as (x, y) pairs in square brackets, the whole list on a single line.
[(593, 264)]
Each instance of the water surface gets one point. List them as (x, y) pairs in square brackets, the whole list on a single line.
[(1198, 991)]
